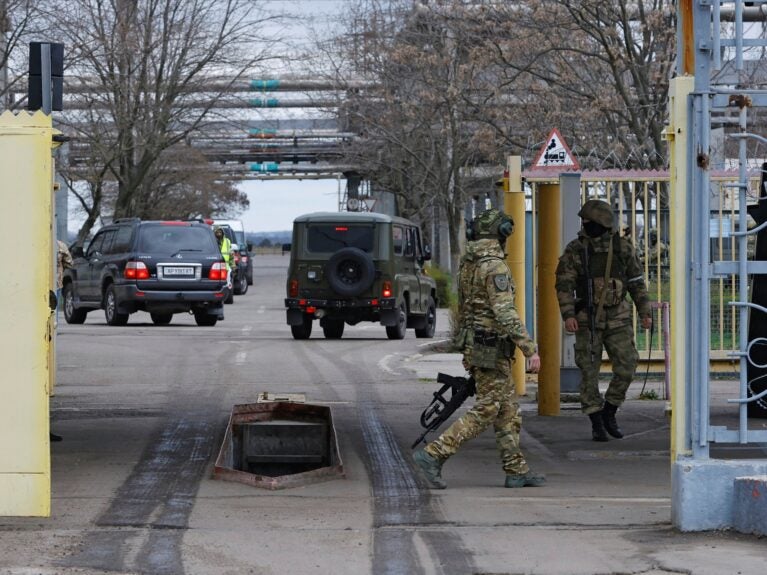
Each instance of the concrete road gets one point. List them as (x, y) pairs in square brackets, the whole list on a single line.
[(143, 409)]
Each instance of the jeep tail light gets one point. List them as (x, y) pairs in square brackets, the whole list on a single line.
[(136, 271), (217, 271), (386, 292), (244, 259), (293, 291)]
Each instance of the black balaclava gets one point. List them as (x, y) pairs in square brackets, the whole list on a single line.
[(593, 229)]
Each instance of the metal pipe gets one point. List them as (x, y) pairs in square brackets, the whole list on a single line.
[(704, 289), (743, 273)]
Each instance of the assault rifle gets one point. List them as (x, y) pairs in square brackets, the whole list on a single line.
[(589, 300), (440, 408)]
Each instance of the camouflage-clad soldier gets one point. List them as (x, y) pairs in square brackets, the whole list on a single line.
[(595, 294), (490, 330)]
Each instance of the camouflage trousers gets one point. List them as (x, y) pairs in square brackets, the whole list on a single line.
[(619, 344), (494, 405)]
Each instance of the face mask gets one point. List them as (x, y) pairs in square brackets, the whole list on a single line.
[(593, 229)]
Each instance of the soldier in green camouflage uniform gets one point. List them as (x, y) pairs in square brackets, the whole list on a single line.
[(612, 315), (490, 330)]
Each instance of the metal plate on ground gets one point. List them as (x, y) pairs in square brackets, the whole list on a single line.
[(275, 445)]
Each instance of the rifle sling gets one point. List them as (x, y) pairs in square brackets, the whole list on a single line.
[(608, 269)]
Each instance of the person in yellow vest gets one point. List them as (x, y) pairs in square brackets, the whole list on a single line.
[(225, 245)]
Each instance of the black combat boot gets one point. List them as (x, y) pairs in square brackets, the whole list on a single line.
[(608, 418), (597, 427)]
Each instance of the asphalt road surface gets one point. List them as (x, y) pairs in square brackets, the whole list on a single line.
[(143, 409)]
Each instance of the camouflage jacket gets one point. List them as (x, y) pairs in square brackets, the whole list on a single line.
[(625, 277), (486, 295)]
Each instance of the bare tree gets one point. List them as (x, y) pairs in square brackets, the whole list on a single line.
[(597, 69), (421, 136), (151, 72), (20, 22)]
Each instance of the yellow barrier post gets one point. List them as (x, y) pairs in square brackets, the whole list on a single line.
[(677, 135), (549, 328), (514, 205), (25, 335)]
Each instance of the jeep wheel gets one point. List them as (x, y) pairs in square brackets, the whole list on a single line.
[(333, 329), (113, 316), (398, 331), (350, 271), (303, 330), (205, 319), (71, 313), (161, 318), (431, 321)]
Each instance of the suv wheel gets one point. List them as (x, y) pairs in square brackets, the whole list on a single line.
[(350, 271), (113, 316), (241, 285), (304, 330), (71, 313), (398, 331), (431, 321), (161, 318), (333, 329), (204, 319)]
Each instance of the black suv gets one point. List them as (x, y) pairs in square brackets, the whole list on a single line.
[(159, 267)]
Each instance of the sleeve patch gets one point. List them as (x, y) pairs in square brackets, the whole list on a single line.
[(501, 282)]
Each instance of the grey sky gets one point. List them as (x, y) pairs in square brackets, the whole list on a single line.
[(274, 204)]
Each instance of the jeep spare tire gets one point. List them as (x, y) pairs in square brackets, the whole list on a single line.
[(350, 271)]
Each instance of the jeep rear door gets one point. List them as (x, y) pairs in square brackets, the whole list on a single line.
[(407, 277), (424, 281)]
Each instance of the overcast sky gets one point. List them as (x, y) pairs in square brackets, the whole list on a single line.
[(274, 204)]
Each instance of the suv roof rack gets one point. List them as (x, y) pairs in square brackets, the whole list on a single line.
[(124, 220)]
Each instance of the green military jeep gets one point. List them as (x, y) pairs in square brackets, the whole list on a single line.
[(349, 267)]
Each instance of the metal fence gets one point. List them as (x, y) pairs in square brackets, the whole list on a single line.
[(639, 199)]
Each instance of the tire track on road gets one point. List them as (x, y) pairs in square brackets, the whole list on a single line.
[(399, 501)]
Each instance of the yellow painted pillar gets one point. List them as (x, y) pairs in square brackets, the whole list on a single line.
[(549, 328), (27, 324), (678, 135), (514, 205)]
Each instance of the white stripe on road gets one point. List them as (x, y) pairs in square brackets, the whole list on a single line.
[(241, 357), (247, 329)]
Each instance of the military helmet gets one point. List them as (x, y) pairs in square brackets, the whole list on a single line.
[(597, 211), (491, 223)]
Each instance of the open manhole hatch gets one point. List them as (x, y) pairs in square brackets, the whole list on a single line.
[(278, 445)]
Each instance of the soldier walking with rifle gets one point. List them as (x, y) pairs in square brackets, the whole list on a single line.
[(490, 330), (595, 272)]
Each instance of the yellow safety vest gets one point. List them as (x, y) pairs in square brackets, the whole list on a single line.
[(226, 250)]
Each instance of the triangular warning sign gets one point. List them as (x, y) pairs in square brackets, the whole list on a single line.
[(555, 153)]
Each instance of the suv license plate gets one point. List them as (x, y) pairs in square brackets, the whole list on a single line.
[(178, 272)]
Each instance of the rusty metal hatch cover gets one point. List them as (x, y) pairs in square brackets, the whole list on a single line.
[(279, 445)]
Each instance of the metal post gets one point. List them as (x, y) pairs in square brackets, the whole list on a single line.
[(25, 335), (514, 205), (677, 133), (549, 328), (570, 185)]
